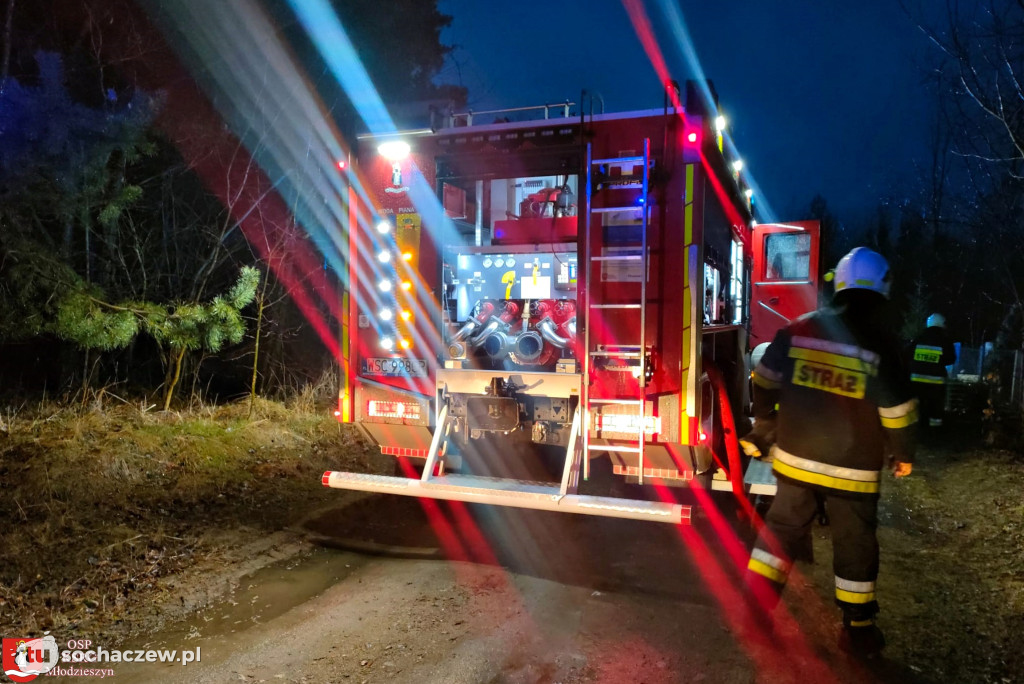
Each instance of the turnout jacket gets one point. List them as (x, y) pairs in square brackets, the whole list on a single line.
[(839, 402), (932, 353)]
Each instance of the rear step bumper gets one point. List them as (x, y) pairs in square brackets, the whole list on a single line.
[(515, 493)]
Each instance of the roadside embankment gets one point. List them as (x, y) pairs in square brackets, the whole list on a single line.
[(117, 520)]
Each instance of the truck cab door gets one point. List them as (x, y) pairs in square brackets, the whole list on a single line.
[(785, 276)]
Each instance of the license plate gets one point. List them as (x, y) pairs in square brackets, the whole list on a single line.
[(416, 368)]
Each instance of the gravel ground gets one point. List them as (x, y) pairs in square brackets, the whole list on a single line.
[(129, 526)]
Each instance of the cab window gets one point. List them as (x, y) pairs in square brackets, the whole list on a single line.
[(787, 256)]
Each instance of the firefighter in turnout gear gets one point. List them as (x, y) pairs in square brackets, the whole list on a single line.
[(932, 353), (832, 393)]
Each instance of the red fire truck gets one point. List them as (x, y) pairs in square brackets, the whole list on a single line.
[(534, 303)]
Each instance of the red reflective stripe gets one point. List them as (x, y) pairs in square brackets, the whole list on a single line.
[(661, 473), (326, 478), (402, 451)]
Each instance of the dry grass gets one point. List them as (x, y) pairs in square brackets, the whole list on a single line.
[(106, 499), (951, 584)]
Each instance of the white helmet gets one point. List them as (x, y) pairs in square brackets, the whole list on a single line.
[(936, 320), (864, 269)]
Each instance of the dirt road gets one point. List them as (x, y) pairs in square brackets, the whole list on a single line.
[(533, 597), (183, 510)]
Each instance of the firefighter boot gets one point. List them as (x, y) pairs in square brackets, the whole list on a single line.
[(865, 641)]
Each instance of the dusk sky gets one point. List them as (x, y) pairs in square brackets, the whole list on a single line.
[(822, 97)]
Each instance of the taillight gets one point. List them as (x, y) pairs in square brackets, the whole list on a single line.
[(616, 422), (393, 409)]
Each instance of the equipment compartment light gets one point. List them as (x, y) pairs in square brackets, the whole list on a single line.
[(394, 150), (383, 227), (384, 257)]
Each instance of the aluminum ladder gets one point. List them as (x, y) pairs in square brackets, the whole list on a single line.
[(636, 351)]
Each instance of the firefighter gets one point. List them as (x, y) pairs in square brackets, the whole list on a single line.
[(833, 404), (932, 353)]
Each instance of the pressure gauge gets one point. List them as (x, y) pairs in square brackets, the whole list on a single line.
[(510, 262), (487, 262), (499, 262)]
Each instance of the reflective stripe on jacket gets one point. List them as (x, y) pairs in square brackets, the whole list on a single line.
[(844, 402), (932, 353), (823, 474)]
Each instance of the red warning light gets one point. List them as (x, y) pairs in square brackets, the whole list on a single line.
[(342, 165), (691, 137)]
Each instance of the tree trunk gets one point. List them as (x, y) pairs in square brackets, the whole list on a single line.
[(69, 233), (85, 377), (5, 69), (176, 360), (256, 350)]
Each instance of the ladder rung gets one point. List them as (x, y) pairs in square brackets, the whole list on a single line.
[(614, 306), (612, 447), (624, 402), (609, 210), (618, 355), (620, 160), (624, 257)]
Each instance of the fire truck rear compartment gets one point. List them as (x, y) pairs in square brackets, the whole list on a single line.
[(590, 273)]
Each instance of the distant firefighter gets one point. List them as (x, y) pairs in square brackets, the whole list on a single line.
[(932, 353)]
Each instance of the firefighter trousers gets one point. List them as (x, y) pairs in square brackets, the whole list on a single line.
[(787, 530), (931, 404)]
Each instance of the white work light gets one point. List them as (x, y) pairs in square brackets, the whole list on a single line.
[(394, 150)]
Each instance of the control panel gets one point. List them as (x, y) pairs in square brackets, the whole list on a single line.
[(504, 275)]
